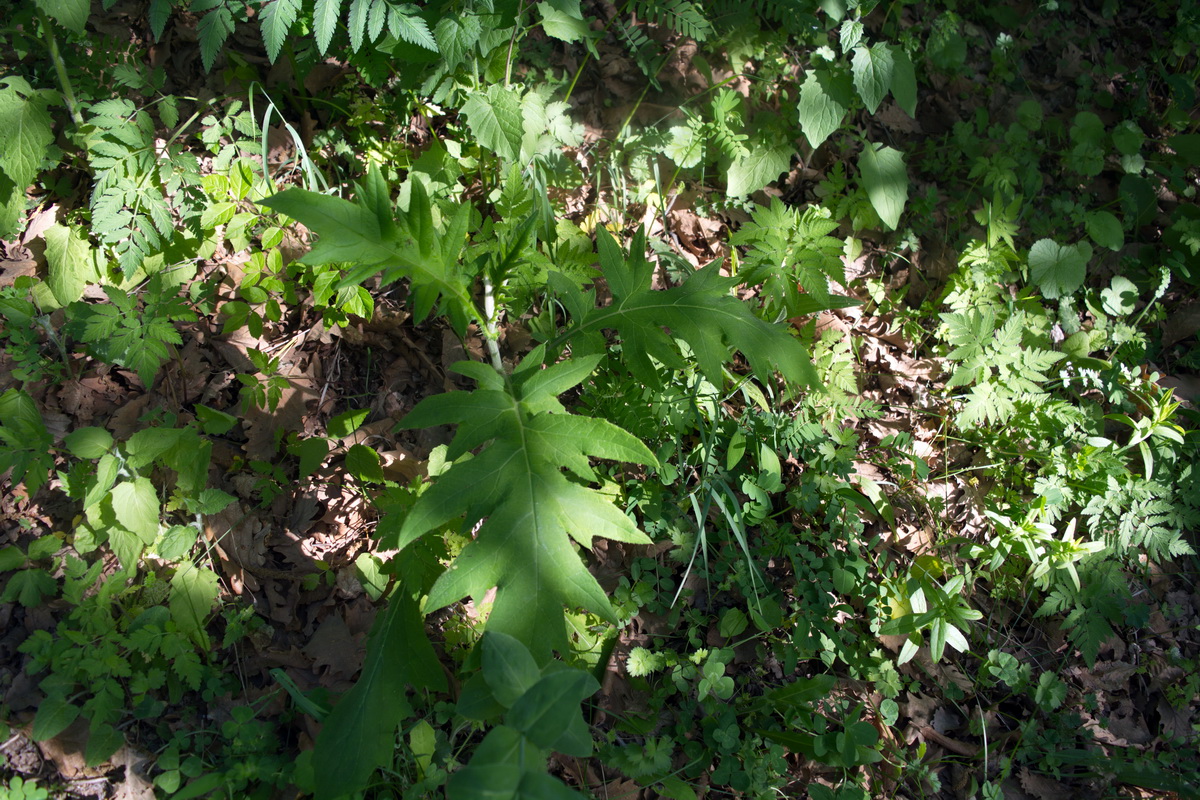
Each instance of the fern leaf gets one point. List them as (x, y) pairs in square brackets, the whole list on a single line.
[(681, 16), (531, 511), (277, 20)]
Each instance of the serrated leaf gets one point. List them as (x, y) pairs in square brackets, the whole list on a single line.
[(212, 31), (25, 135), (347, 422), (885, 178), (757, 168), (72, 262), (357, 22), (455, 36), (193, 593), (562, 24), (214, 422), (824, 101), (325, 19), (276, 22), (102, 742), (405, 24), (530, 511), (872, 68), (28, 587), (54, 714), (177, 542), (71, 14), (213, 501), (358, 736), (312, 453), (496, 120), (1057, 269), (363, 463), (850, 34), (136, 506)]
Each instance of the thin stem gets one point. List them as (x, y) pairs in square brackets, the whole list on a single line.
[(60, 67)]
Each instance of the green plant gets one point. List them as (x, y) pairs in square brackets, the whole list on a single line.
[(21, 789)]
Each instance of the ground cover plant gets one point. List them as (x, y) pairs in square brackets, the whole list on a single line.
[(489, 398)]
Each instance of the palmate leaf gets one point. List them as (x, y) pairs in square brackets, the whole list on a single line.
[(532, 512), (701, 311)]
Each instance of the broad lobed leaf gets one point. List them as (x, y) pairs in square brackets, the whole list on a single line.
[(533, 515)]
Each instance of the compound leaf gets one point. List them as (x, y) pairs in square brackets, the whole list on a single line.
[(366, 234)]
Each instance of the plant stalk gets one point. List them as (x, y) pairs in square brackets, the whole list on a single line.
[(60, 68), (489, 324)]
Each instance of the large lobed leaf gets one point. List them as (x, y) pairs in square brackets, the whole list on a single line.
[(359, 735), (533, 514), (368, 235), (701, 311)]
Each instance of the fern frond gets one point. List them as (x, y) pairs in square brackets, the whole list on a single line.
[(681, 16)]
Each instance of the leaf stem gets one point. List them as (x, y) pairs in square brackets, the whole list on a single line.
[(60, 68)]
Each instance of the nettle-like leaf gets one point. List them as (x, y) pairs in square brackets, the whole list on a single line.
[(825, 98), (25, 135), (873, 68), (496, 119), (71, 14), (701, 312), (368, 235), (532, 513), (72, 263)]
